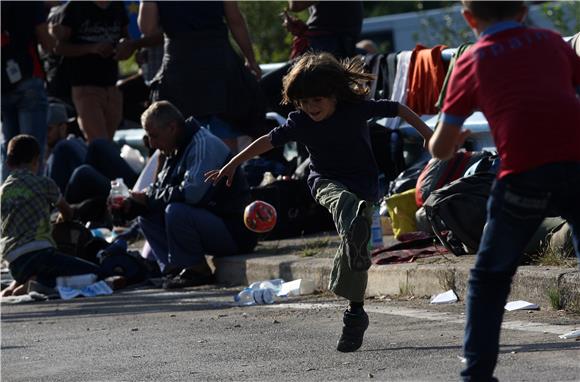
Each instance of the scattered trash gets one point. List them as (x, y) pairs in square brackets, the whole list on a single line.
[(520, 305), (269, 291), (30, 297), (462, 359), (570, 335), (96, 289), (77, 281), (299, 287), (445, 298)]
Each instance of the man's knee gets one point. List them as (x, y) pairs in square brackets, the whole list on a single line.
[(176, 213)]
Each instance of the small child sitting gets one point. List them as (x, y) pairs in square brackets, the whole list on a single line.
[(26, 201)]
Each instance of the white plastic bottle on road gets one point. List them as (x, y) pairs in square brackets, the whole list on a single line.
[(245, 297)]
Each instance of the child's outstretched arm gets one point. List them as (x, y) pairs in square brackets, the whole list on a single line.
[(413, 119), (259, 146)]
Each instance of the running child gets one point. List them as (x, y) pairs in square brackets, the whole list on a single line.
[(331, 121)]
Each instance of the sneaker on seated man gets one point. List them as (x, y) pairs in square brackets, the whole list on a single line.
[(182, 217)]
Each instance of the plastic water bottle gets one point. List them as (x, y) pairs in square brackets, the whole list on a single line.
[(119, 192), (260, 296), (245, 297), (274, 284), (376, 230)]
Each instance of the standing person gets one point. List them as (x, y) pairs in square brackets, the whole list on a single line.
[(88, 34), (333, 27), (201, 74), (523, 80), (331, 123), (24, 101), (26, 201), (183, 218)]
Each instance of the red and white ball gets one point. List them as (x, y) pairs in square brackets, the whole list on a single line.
[(260, 216)]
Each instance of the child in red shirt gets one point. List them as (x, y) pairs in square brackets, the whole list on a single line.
[(524, 80)]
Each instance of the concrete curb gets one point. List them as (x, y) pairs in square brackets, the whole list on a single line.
[(535, 284)]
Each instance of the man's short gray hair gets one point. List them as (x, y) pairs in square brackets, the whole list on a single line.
[(161, 113)]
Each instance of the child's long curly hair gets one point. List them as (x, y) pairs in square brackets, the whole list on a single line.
[(322, 75)]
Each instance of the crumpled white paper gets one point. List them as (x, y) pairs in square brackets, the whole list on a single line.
[(96, 289)]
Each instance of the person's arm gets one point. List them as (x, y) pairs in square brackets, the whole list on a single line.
[(66, 212), (46, 41), (148, 18), (239, 29), (126, 47), (446, 139), (414, 120), (297, 6), (259, 146)]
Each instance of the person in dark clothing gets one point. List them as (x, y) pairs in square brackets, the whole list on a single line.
[(331, 121), (333, 27), (201, 74), (24, 101), (182, 217), (87, 36)]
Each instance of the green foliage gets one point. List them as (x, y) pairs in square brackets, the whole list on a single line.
[(563, 14), (270, 38)]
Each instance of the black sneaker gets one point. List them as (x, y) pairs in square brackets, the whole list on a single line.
[(188, 278), (353, 331), (357, 240)]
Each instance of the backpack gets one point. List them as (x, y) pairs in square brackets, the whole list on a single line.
[(438, 173), (74, 239), (458, 211)]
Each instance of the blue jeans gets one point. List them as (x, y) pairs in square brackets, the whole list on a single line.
[(517, 205), (24, 111), (66, 156), (181, 235), (47, 265)]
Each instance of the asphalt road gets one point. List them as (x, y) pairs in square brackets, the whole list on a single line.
[(199, 335)]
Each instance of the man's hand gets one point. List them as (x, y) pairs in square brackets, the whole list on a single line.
[(139, 197), (125, 49), (293, 24), (103, 49)]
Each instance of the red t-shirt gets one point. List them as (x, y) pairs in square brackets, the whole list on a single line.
[(523, 80)]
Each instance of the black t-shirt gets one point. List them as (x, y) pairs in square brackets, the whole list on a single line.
[(338, 17), (19, 21), (339, 146), (90, 23)]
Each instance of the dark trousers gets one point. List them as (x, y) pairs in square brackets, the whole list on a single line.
[(47, 265), (517, 205)]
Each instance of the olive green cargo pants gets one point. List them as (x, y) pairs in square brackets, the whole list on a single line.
[(344, 206)]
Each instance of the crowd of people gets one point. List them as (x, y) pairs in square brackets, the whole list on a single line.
[(197, 96)]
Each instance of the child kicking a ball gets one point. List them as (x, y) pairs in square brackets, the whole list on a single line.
[(331, 121)]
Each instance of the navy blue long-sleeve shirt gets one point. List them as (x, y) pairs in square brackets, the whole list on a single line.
[(339, 146)]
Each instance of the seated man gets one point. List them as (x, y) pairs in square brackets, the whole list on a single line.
[(182, 217)]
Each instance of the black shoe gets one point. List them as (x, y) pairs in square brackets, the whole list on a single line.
[(357, 241), (353, 331), (188, 278)]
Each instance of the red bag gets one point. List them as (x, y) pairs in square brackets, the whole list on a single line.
[(437, 173)]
